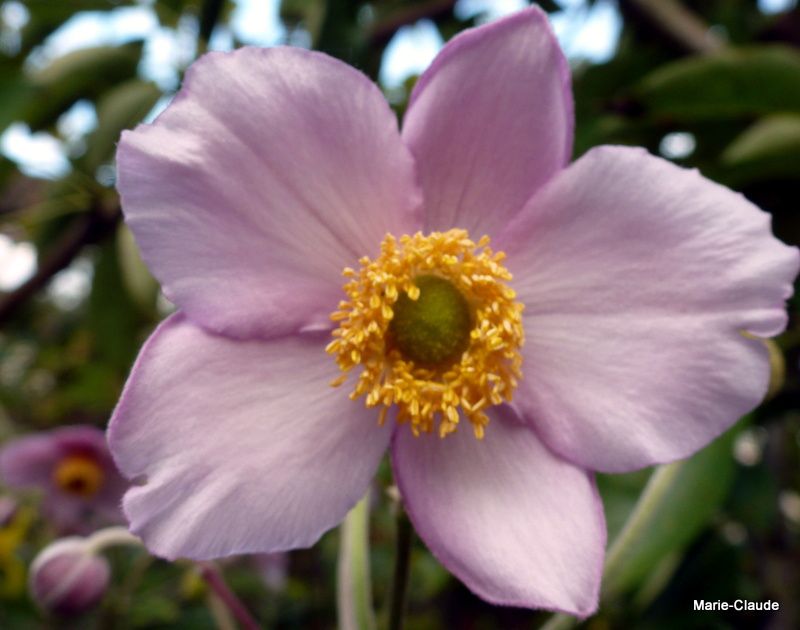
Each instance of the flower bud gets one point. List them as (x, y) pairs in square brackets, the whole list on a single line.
[(68, 578)]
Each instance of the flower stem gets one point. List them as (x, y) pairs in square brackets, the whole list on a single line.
[(112, 537), (354, 595), (402, 565), (219, 612), (559, 621), (217, 584)]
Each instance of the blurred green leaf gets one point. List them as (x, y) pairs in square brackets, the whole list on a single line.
[(139, 282), (122, 107), (677, 503), (46, 16), (731, 83), (169, 12), (769, 149), (153, 610), (112, 315), (15, 92), (620, 494), (85, 73)]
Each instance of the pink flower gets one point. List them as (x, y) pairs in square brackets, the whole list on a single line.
[(72, 465), (276, 169)]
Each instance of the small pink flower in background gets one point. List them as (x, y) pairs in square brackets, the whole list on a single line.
[(72, 465), (546, 320)]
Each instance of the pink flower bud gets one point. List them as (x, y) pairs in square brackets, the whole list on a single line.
[(67, 578)]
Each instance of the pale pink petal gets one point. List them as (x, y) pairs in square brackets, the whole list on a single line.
[(239, 447), (515, 523), (271, 171), (639, 279), (489, 122)]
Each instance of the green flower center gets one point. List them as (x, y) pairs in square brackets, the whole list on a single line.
[(434, 328)]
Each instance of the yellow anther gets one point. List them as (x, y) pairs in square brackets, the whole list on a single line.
[(430, 398)]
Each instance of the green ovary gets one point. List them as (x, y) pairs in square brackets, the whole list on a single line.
[(434, 329)]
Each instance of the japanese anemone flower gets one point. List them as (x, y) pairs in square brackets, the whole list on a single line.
[(621, 304), (72, 465)]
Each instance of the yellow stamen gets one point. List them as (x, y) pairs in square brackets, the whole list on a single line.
[(487, 371), (79, 475)]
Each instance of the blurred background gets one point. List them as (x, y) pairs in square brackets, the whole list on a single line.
[(712, 84)]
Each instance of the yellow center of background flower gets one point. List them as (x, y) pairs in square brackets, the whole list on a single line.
[(435, 329), (78, 475)]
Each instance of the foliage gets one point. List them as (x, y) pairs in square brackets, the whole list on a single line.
[(726, 528)]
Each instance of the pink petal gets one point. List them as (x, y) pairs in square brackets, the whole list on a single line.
[(516, 524), (76, 515), (81, 439), (271, 171), (240, 447), (638, 279), (29, 460), (489, 122)]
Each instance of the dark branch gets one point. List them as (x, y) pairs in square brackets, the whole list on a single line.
[(682, 26), (90, 227)]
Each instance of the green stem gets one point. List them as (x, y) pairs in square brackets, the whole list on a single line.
[(559, 621), (401, 570), (354, 594)]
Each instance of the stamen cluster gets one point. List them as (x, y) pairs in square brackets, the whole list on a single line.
[(485, 374)]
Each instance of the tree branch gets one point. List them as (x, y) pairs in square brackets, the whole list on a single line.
[(383, 30), (89, 228), (679, 24)]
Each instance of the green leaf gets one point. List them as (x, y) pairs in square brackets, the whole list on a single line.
[(46, 16), (731, 83), (122, 107), (140, 284), (169, 12), (769, 149), (15, 93), (112, 315), (354, 595), (85, 73), (677, 503), (674, 507)]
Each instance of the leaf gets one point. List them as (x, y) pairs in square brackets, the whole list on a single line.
[(46, 16), (112, 315), (674, 507), (769, 149), (122, 107), (677, 503), (85, 73), (140, 284), (731, 83), (15, 93)]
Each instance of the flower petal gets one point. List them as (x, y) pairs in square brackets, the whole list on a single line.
[(29, 461), (489, 122), (242, 447), (271, 171), (638, 279), (516, 524)]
